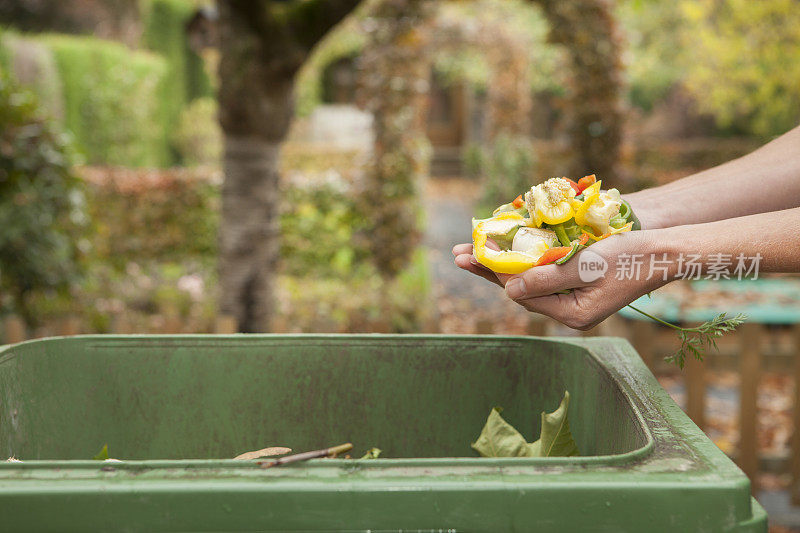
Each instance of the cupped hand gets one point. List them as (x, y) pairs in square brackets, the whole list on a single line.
[(591, 298)]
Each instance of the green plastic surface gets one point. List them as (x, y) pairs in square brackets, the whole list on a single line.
[(764, 301), (175, 407)]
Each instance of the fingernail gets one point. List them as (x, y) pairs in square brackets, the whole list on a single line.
[(515, 288), (473, 260)]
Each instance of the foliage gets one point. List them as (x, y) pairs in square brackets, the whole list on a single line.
[(166, 215), (588, 32), (394, 89), (500, 439), (198, 138), (40, 201), (185, 78), (744, 62), (695, 341), (342, 42), (506, 168), (521, 22), (359, 302), (322, 232), (653, 63), (32, 64), (111, 100)]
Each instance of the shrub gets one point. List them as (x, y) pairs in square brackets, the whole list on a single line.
[(185, 78), (322, 231), (40, 202), (161, 215), (111, 100), (198, 137)]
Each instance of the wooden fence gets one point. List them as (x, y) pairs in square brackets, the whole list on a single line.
[(752, 349)]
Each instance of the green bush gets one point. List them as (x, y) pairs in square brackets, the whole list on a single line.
[(322, 232), (111, 100), (743, 63), (198, 137), (185, 78), (35, 62), (164, 215), (40, 202), (359, 303)]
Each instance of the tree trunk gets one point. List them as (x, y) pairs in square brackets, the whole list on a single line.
[(262, 46), (255, 113), (249, 232)]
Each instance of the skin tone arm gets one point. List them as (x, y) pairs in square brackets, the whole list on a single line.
[(767, 179), (748, 206)]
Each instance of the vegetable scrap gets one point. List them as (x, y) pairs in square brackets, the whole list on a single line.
[(549, 224), (558, 218)]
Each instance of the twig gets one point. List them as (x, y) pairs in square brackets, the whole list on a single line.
[(325, 452)]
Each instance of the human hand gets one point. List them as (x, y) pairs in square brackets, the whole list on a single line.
[(590, 301)]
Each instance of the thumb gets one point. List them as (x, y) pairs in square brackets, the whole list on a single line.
[(543, 281)]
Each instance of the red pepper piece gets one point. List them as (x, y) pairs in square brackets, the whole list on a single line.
[(574, 185), (585, 182), (552, 255)]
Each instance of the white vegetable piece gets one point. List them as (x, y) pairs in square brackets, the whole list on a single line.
[(533, 241), (604, 209)]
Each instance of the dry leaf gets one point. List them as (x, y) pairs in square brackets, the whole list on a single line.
[(266, 452)]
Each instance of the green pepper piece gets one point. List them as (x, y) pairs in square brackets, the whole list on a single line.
[(576, 247), (561, 233), (505, 241), (573, 230), (631, 216)]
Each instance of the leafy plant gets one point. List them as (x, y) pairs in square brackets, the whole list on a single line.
[(185, 77), (743, 62), (111, 100), (41, 202), (695, 341), (500, 439), (198, 137)]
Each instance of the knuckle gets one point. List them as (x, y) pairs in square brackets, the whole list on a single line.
[(580, 319), (538, 280)]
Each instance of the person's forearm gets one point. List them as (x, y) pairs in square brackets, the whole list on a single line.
[(763, 181), (773, 238)]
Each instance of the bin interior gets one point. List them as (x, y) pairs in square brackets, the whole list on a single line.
[(190, 397)]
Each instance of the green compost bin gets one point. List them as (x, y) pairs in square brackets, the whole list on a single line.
[(175, 409)]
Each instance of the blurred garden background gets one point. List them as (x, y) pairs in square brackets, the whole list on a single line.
[(181, 166)]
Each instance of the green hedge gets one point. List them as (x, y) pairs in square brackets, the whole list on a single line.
[(186, 78), (41, 203), (111, 100)]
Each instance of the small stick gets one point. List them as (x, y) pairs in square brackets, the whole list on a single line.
[(325, 452)]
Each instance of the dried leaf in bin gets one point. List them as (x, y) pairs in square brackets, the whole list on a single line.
[(265, 452)]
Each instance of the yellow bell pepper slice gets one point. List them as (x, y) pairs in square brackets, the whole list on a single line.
[(623, 229), (503, 262), (594, 188), (580, 214), (561, 212)]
